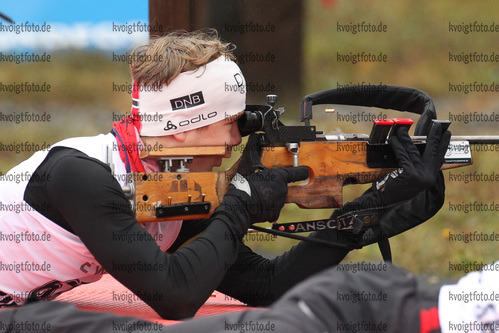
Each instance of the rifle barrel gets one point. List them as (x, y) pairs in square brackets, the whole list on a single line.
[(472, 139)]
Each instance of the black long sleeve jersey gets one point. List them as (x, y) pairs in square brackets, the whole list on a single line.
[(69, 222)]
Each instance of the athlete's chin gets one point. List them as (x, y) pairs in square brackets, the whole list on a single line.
[(219, 162), (209, 163)]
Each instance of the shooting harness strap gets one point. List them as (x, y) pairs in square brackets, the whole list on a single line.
[(349, 227)]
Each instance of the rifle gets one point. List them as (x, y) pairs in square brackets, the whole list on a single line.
[(333, 160)]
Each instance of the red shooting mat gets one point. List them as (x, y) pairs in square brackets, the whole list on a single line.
[(108, 295)]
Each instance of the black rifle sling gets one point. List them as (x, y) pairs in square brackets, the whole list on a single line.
[(385, 97)]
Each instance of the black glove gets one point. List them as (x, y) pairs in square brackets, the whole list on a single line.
[(408, 214), (258, 197), (416, 174), (269, 189), (409, 197)]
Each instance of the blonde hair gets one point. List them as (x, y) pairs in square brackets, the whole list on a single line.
[(163, 58)]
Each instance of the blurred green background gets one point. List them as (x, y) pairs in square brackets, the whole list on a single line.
[(417, 43)]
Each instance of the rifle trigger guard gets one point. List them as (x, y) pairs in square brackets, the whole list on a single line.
[(293, 148)]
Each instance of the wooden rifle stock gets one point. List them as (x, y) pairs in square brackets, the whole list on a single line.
[(167, 196)]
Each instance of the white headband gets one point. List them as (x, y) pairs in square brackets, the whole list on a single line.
[(193, 99)]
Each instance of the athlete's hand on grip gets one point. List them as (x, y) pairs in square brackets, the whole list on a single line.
[(264, 192)]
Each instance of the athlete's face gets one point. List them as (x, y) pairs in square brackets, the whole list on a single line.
[(223, 133)]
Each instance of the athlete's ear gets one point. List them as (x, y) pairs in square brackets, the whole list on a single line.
[(180, 137)]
